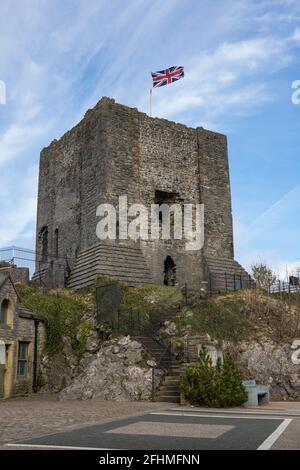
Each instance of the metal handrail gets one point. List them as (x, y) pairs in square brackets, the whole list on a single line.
[(169, 351)]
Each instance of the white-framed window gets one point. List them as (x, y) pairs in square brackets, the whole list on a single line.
[(22, 367)]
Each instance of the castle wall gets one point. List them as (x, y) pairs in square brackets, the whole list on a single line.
[(116, 150), (215, 194), (73, 177)]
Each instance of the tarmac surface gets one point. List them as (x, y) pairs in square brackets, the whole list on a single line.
[(155, 426)]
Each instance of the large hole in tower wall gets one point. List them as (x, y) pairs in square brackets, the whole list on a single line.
[(164, 197), (169, 272)]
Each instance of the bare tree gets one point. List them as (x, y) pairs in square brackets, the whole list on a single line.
[(263, 275)]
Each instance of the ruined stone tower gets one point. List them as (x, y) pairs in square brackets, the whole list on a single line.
[(117, 150)]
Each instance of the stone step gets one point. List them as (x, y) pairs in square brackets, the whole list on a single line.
[(82, 285), (91, 282), (169, 387), (37, 275), (86, 264), (112, 267), (91, 279), (175, 383), (169, 393), (116, 247), (234, 266), (226, 274), (122, 262), (228, 261), (110, 257), (78, 274), (128, 277), (167, 398)]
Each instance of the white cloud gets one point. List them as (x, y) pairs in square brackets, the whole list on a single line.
[(17, 138), (60, 59), (233, 77), (272, 236), (296, 36), (18, 209), (282, 268)]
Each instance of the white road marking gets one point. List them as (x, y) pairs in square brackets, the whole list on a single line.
[(41, 446), (268, 443), (209, 415), (249, 412)]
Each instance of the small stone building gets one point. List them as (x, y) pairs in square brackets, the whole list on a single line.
[(21, 342)]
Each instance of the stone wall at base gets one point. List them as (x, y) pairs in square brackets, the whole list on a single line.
[(19, 327)]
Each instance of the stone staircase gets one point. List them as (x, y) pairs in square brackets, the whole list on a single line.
[(168, 390), (156, 350), (226, 275), (168, 314), (121, 262)]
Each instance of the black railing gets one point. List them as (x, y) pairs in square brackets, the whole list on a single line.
[(165, 359), (225, 282), (284, 287)]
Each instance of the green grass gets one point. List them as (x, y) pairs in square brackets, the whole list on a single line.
[(63, 311), (220, 321)]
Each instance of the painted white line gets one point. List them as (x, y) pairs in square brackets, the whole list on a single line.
[(45, 446), (268, 443), (249, 412), (212, 415)]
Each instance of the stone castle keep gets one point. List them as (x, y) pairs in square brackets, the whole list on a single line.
[(116, 150)]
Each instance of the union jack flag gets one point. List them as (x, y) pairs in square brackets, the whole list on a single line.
[(165, 77)]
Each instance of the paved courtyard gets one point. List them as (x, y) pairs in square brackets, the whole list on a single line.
[(43, 422), (44, 414)]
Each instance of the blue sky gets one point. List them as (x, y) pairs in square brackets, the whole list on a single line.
[(58, 59)]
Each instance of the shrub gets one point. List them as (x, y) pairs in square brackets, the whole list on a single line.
[(220, 386), (220, 318), (263, 275)]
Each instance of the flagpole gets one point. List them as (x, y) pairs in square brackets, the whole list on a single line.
[(150, 102)]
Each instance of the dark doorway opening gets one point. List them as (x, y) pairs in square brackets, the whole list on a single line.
[(164, 197), (169, 272)]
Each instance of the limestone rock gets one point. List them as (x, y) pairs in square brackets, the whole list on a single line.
[(92, 342), (151, 363), (270, 363), (119, 371)]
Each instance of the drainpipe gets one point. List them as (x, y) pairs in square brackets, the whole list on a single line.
[(35, 354)]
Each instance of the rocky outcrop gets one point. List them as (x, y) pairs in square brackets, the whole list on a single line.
[(120, 370), (270, 363), (266, 360)]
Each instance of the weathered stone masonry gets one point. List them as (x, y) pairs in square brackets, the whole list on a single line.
[(19, 325), (117, 150)]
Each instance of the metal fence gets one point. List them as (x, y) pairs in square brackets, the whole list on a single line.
[(21, 257), (224, 282), (285, 287)]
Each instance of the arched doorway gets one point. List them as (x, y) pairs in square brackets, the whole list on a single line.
[(169, 272)]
